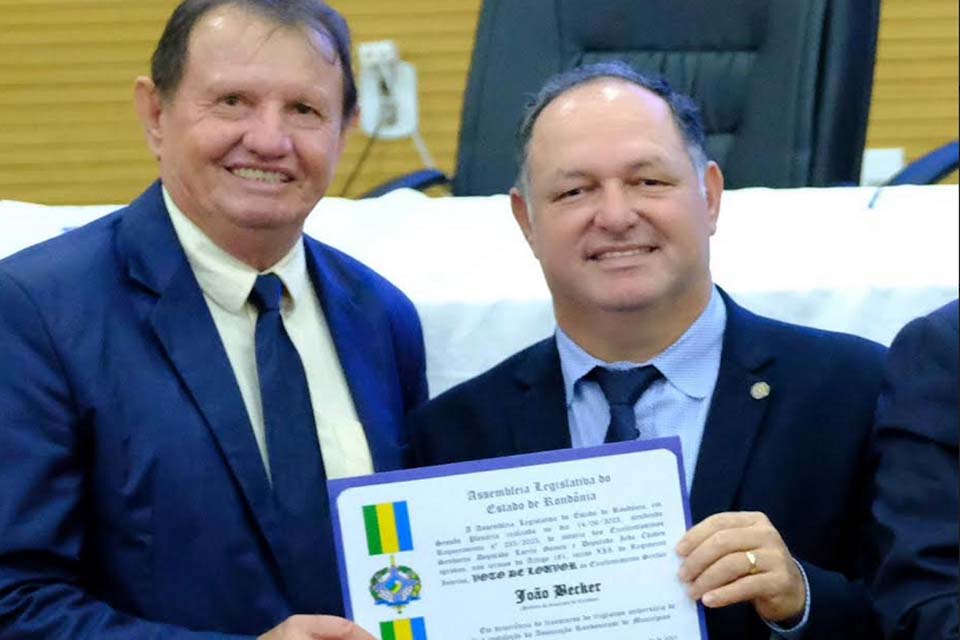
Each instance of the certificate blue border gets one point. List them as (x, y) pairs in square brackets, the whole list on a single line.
[(336, 487)]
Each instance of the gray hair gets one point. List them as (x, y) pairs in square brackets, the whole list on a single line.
[(685, 113), (170, 57)]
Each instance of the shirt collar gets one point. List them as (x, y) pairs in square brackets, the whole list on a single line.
[(225, 279), (685, 364)]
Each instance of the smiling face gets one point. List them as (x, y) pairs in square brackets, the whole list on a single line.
[(249, 141), (614, 208)]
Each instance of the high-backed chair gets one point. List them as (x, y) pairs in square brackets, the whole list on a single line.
[(784, 85)]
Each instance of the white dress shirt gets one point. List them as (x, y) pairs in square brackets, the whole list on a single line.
[(226, 283)]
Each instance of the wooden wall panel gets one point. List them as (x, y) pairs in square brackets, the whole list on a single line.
[(68, 133), (436, 36), (915, 97)]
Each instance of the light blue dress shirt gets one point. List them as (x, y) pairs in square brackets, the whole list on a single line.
[(675, 405)]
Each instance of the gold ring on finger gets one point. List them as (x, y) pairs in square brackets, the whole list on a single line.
[(752, 559)]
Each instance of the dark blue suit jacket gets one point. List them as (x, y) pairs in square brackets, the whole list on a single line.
[(133, 499), (800, 455), (916, 504)]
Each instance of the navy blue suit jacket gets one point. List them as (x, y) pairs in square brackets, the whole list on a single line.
[(133, 499), (916, 503), (801, 455)]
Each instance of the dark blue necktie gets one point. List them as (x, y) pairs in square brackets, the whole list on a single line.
[(622, 390), (296, 466)]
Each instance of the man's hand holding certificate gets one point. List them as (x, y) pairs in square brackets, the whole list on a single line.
[(740, 557), (571, 544)]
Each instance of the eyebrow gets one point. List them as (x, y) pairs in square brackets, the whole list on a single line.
[(313, 93), (644, 163)]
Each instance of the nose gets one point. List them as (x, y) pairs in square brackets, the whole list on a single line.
[(267, 135), (615, 213)]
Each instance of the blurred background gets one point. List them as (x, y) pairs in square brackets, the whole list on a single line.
[(69, 135)]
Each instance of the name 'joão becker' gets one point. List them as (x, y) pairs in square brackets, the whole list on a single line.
[(558, 591)]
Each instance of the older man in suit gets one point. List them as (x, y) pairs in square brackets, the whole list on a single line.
[(916, 502), (179, 378), (618, 202)]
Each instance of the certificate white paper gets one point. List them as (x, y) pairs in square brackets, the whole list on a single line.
[(575, 544)]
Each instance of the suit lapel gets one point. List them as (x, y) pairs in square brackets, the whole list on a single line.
[(736, 415), (539, 412), (182, 323), (365, 350)]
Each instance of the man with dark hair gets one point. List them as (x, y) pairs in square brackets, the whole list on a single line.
[(169, 60), (618, 201), (916, 503), (181, 377)]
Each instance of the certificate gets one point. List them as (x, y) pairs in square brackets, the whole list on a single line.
[(574, 544)]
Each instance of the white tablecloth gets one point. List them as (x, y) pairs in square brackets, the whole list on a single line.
[(820, 257)]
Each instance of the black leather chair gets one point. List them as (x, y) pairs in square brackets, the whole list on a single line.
[(784, 85)]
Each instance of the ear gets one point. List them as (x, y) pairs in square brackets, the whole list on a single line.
[(713, 183), (349, 123), (523, 216), (352, 120), (149, 107)]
